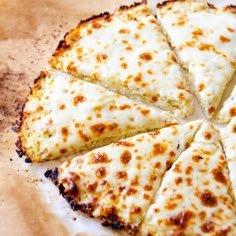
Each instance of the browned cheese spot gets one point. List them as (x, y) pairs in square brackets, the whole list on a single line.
[(113, 107), (71, 67), (224, 39), (100, 157), (83, 136), (101, 172), (138, 77), (201, 87), (223, 232), (124, 31), (124, 41), (131, 191), (207, 198), (202, 215), (178, 180), (62, 107), (140, 25), (230, 29), (121, 175), (39, 108), (232, 111), (234, 129), (158, 165), (146, 196), (125, 157), (135, 181), (92, 187), (211, 110), (129, 48), (172, 154), (79, 99), (124, 107), (101, 57), (177, 168), (208, 227), (145, 112), (64, 133), (196, 158), (136, 210), (157, 210), (124, 143), (196, 33), (181, 220), (219, 176), (149, 71), (63, 150), (124, 65), (96, 25), (189, 170), (98, 128), (190, 43), (147, 187), (207, 135), (170, 206), (189, 181), (136, 36), (146, 56), (159, 148), (155, 98)]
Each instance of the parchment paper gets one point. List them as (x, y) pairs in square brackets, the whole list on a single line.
[(29, 34)]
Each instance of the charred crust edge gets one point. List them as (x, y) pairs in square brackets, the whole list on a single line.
[(162, 4), (52, 174), (231, 8)]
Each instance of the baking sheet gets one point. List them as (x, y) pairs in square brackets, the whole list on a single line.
[(29, 34)]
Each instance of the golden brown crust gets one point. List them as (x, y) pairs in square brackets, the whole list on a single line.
[(20, 151)]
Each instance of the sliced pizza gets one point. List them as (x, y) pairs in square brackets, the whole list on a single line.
[(64, 115), (117, 183), (228, 135), (126, 52), (194, 197), (228, 110), (204, 39)]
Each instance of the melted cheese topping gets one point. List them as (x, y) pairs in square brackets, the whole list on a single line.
[(64, 115), (229, 143), (193, 198), (204, 39), (121, 179), (228, 110), (128, 53)]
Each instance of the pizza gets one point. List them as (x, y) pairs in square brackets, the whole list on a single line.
[(228, 110), (194, 197), (117, 183), (228, 135), (126, 52), (204, 39), (64, 115), (101, 103)]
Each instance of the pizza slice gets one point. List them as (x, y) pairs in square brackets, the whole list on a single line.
[(194, 197), (228, 110), (64, 115), (204, 39), (228, 135), (126, 52), (117, 183)]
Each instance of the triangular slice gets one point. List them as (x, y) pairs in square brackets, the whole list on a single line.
[(228, 135), (228, 110), (126, 52), (117, 183), (194, 197), (64, 115), (204, 38)]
